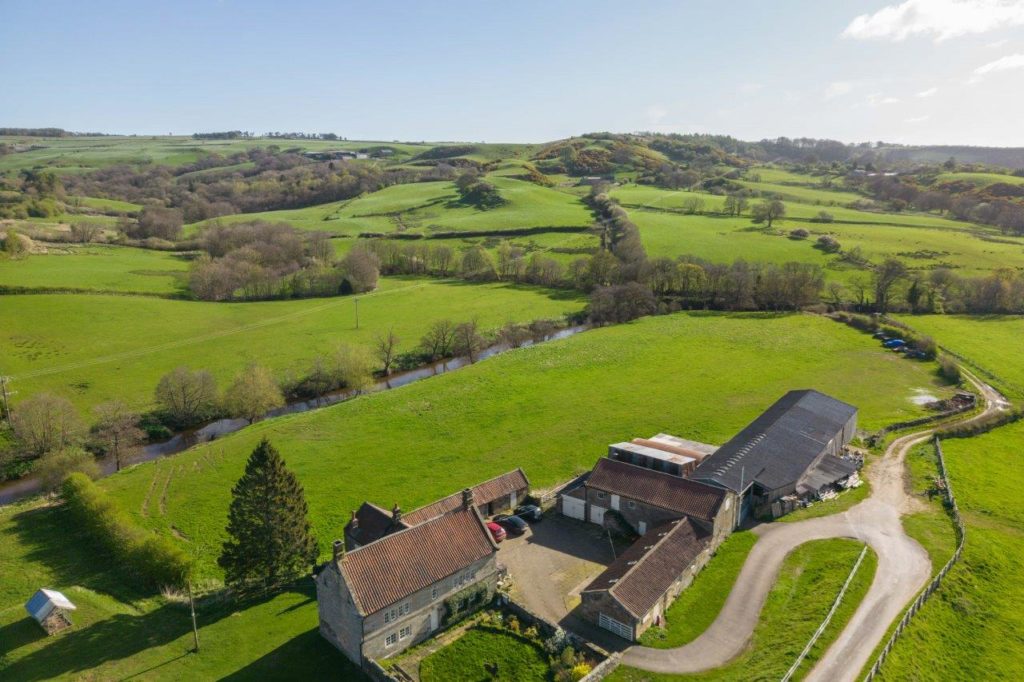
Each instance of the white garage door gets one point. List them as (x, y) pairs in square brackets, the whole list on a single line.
[(621, 629), (597, 514), (573, 508)]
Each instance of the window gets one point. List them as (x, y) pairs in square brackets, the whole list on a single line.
[(405, 632), (403, 609), (462, 580), (600, 495), (391, 640), (433, 592), (631, 504)]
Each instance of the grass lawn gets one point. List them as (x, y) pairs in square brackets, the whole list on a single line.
[(975, 622), (99, 268), (980, 179), (699, 604), (810, 578), (992, 341), (95, 348), (120, 634), (551, 409), (464, 660)]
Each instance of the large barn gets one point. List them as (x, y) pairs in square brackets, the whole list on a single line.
[(794, 448)]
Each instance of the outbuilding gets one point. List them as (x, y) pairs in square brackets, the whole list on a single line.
[(51, 610)]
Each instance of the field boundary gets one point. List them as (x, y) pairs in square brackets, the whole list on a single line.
[(936, 582), (828, 618)]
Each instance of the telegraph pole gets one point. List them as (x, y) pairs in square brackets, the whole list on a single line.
[(7, 404), (357, 311), (192, 608)]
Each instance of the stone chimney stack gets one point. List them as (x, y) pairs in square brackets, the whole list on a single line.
[(396, 514), (467, 498), (339, 550), (354, 523)]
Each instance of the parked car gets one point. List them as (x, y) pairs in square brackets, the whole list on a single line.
[(894, 343), (497, 532), (529, 512), (882, 336), (917, 355), (512, 524)]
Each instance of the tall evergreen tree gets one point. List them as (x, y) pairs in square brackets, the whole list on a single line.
[(271, 540)]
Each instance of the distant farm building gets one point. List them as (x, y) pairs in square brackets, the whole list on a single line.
[(51, 610), (793, 451)]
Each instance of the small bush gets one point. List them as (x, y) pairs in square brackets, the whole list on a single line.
[(824, 217), (949, 370), (828, 244), (799, 233)]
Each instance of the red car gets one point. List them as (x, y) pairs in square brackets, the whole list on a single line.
[(497, 532)]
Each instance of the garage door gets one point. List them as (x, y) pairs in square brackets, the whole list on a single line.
[(597, 514), (621, 629), (573, 508)]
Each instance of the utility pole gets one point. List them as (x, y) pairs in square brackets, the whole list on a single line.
[(192, 608), (357, 312), (7, 405)]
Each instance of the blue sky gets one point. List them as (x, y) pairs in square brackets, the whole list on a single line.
[(914, 71)]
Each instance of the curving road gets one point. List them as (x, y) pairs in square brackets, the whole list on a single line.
[(903, 569)]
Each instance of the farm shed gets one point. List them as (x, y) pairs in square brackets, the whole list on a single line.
[(51, 610), (632, 594), (794, 447)]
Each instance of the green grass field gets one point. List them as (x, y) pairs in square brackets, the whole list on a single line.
[(700, 603), (975, 622), (98, 268), (980, 179), (94, 348), (464, 660), (430, 207), (550, 409), (120, 634), (991, 341), (808, 583)]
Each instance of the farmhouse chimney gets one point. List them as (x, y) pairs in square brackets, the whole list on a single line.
[(339, 550), (467, 498), (354, 523), (396, 514)]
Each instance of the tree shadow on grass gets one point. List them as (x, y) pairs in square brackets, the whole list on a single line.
[(305, 657)]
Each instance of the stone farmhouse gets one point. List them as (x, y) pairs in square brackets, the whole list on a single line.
[(392, 593), (404, 575)]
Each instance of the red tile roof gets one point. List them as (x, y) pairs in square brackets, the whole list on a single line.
[(386, 571), (674, 493), (645, 571), (485, 492)]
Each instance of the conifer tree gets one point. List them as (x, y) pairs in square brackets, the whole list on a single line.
[(271, 540)]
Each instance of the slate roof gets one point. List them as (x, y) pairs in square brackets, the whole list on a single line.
[(485, 492), (656, 488), (645, 571), (386, 571), (778, 447)]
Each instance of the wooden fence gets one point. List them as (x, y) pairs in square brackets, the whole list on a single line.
[(961, 533)]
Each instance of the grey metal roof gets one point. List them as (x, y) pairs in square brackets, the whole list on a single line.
[(826, 472), (778, 447), (44, 601)]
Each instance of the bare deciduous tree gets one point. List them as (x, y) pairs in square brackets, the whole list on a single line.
[(117, 431), (187, 396), (47, 422), (386, 345)]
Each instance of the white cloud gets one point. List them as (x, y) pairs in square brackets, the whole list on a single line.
[(656, 113), (942, 19), (917, 119), (877, 99), (927, 93), (750, 88), (838, 88), (1007, 63), (996, 44)]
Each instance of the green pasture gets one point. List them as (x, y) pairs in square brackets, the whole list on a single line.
[(980, 179), (810, 578), (991, 341), (468, 658), (120, 633), (94, 348), (551, 409), (99, 268), (818, 196), (431, 207), (975, 622)]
